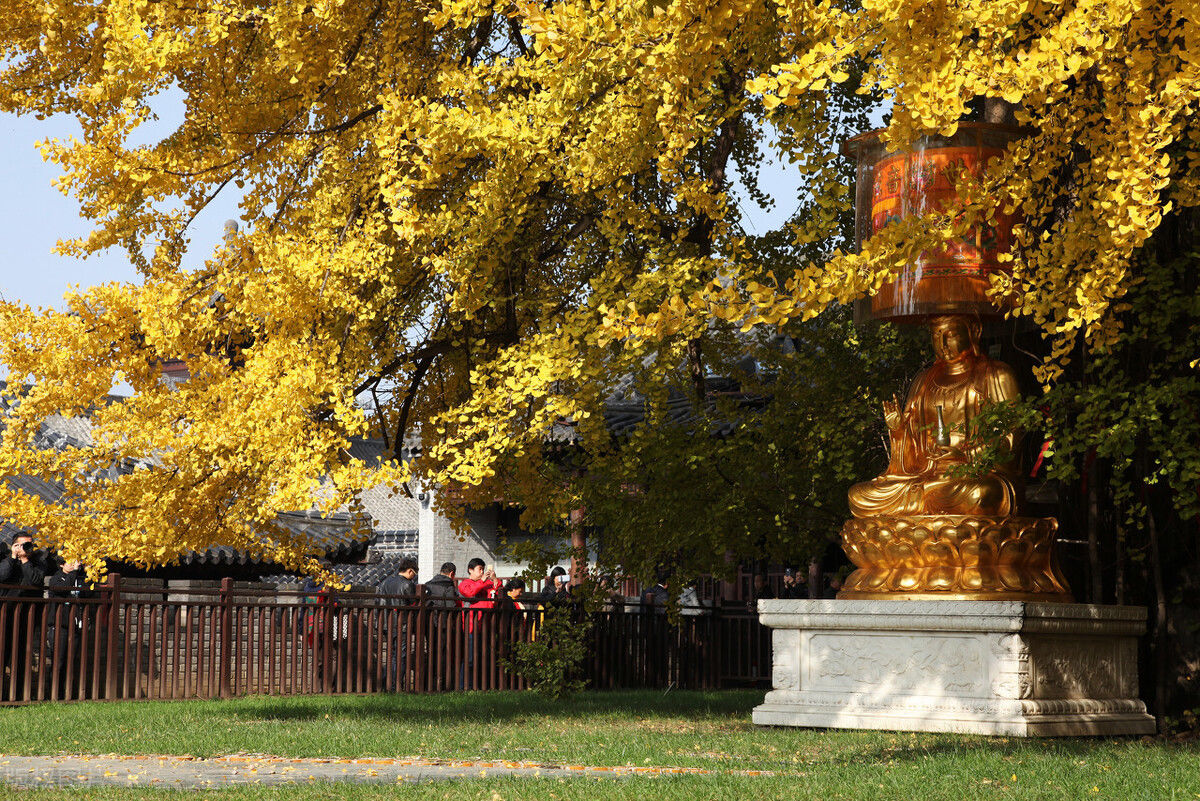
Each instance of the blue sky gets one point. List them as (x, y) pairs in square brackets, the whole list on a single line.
[(34, 215)]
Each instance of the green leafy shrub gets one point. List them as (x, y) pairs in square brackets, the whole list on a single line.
[(551, 662)]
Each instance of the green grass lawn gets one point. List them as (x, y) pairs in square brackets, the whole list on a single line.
[(682, 729)]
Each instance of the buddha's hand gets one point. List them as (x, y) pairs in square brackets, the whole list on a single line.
[(892, 414), (948, 453)]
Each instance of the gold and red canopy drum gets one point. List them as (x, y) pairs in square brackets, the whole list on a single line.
[(918, 180)]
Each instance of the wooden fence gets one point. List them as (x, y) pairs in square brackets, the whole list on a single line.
[(151, 643)]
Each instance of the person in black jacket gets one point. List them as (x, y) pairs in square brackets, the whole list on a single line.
[(10, 573), (26, 568), (442, 589), (655, 599), (64, 624), (552, 586), (403, 583), (399, 593), (441, 596), (32, 564), (795, 586), (22, 564)]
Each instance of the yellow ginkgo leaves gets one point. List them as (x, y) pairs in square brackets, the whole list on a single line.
[(467, 221)]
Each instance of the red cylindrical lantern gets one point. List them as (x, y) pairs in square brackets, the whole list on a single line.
[(918, 180)]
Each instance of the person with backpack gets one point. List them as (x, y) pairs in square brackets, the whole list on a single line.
[(441, 597)]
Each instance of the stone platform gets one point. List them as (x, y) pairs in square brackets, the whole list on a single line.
[(988, 667)]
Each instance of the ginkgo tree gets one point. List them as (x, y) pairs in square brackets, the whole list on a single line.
[(480, 213)]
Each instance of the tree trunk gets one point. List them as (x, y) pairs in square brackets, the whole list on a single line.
[(1159, 636), (1119, 579), (729, 588), (695, 360), (999, 111), (578, 547)]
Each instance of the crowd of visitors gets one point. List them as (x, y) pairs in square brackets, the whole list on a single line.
[(794, 586), (481, 589)]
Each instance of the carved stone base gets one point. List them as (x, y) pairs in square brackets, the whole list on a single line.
[(988, 667), (953, 557)]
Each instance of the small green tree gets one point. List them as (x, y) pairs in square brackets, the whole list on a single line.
[(551, 662)]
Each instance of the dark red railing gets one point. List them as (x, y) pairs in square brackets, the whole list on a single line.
[(128, 641)]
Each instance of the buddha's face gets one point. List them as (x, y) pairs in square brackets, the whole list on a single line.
[(951, 339)]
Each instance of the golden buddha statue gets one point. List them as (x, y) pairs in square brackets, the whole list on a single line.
[(925, 529), (944, 400)]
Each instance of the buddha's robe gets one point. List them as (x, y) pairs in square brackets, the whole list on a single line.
[(918, 479)]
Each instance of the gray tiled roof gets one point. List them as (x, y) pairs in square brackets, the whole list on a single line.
[(402, 540), (336, 535), (32, 486), (359, 576), (625, 410), (372, 450)]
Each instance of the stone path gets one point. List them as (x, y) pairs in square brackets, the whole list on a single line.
[(192, 773)]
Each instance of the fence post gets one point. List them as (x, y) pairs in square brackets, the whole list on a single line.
[(226, 666), (326, 605), (715, 647), (114, 605), (419, 644)]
